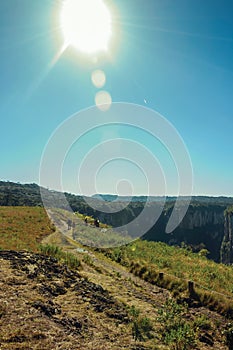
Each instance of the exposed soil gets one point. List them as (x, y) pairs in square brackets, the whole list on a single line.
[(44, 305)]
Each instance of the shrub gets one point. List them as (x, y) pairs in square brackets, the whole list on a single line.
[(71, 260), (202, 322), (176, 331), (141, 326), (50, 249), (87, 260)]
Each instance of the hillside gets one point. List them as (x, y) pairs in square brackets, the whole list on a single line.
[(23, 227), (44, 305), (96, 303), (202, 226)]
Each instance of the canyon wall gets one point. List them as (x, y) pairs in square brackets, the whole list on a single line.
[(226, 252), (202, 227)]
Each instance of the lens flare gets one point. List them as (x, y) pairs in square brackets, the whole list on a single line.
[(98, 78), (103, 100)]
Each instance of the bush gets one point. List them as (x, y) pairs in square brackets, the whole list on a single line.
[(202, 322), (180, 337), (141, 326), (176, 331)]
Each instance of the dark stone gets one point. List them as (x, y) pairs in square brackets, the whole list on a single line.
[(72, 325), (16, 339), (49, 308)]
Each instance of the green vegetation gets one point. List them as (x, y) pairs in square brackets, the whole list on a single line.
[(202, 322), (23, 227), (88, 234), (208, 236), (64, 257), (90, 220), (149, 258), (229, 210), (175, 330), (226, 251), (155, 321), (141, 326), (213, 282)]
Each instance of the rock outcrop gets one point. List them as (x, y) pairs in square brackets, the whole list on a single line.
[(226, 253)]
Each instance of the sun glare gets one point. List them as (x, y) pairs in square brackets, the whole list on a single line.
[(86, 25)]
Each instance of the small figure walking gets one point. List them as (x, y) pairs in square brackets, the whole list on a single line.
[(97, 223), (69, 223)]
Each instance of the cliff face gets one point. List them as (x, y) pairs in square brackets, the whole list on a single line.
[(202, 217), (226, 253), (202, 226)]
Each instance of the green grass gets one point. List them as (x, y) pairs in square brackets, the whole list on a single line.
[(142, 327), (65, 257), (213, 282), (176, 332), (90, 220), (25, 227)]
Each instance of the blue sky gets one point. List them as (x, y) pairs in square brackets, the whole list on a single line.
[(174, 57)]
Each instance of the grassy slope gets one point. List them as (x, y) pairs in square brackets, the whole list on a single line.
[(177, 262), (213, 283), (23, 227)]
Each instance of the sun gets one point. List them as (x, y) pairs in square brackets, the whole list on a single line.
[(86, 25)]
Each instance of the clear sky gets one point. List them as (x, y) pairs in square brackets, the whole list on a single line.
[(174, 57)]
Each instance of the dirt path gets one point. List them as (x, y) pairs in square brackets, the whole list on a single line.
[(115, 278), (126, 287)]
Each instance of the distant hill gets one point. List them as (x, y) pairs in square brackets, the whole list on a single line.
[(17, 194), (202, 226), (112, 197), (222, 200)]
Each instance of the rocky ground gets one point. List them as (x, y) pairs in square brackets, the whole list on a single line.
[(44, 305)]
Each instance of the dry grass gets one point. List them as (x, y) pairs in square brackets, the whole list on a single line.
[(23, 227), (54, 308), (43, 303)]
